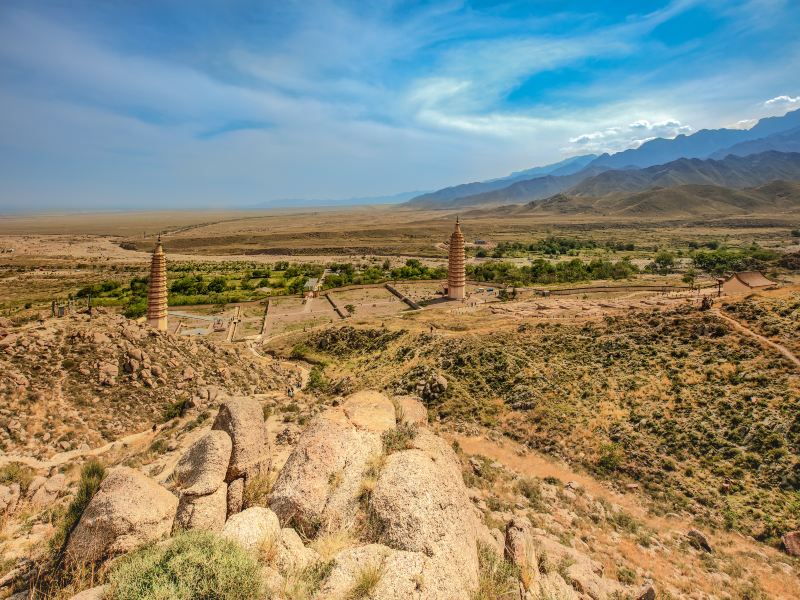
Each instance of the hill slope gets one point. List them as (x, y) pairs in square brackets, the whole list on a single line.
[(733, 171), (684, 201), (786, 141)]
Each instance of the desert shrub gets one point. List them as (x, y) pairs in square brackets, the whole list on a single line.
[(92, 475), (626, 575), (398, 438), (316, 380), (192, 566), (531, 489), (303, 584), (257, 490), (16, 473), (497, 578), (611, 458), (159, 446), (175, 409)]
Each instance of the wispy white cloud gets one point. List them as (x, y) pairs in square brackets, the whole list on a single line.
[(783, 101), (632, 135)]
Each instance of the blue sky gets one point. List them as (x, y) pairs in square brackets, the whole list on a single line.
[(115, 104)]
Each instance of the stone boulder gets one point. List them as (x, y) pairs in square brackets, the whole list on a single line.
[(319, 485), (9, 497), (520, 551), (699, 541), (791, 543), (291, 554), (95, 593), (252, 527), (47, 493), (401, 574), (235, 496), (202, 469), (206, 513), (553, 585), (243, 420), (370, 411), (646, 592), (420, 504), (411, 410), (128, 511)]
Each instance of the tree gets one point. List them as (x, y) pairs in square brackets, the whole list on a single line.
[(664, 262), (217, 285), (350, 308), (690, 276)]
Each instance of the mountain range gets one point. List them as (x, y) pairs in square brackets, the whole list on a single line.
[(735, 158), (678, 202)]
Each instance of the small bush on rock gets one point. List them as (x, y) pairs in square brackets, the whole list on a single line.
[(191, 566), (399, 438), (498, 578)]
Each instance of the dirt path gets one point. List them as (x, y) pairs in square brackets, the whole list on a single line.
[(764, 340), (64, 457)]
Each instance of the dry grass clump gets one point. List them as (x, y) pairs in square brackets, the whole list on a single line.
[(303, 584), (366, 581), (257, 490), (192, 565), (329, 543), (497, 579), (92, 475)]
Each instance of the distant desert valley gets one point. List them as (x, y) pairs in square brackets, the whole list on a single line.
[(606, 408)]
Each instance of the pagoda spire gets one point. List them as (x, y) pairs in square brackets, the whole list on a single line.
[(157, 289), (456, 272)]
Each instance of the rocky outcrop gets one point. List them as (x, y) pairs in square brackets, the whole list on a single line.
[(9, 497), (95, 593), (791, 543), (235, 496), (520, 551), (128, 511), (243, 420), (291, 554), (319, 485), (411, 410), (202, 469), (48, 491), (699, 541), (420, 504), (370, 411)]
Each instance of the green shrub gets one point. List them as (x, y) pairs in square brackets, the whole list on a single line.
[(398, 438), (611, 458), (175, 409), (16, 473), (192, 566)]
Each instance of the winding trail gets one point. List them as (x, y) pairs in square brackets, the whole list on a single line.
[(739, 326)]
